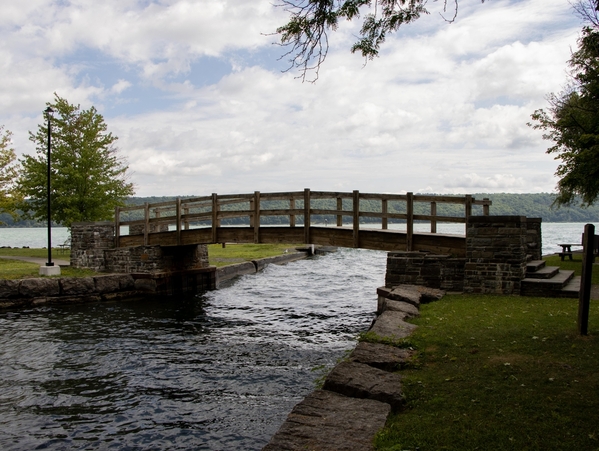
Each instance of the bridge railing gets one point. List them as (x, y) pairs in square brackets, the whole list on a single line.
[(294, 209)]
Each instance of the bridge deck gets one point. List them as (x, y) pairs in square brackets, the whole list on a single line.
[(384, 240)]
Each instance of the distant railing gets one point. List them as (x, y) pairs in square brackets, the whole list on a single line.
[(208, 213)]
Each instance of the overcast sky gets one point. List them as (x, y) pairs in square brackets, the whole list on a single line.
[(196, 94)]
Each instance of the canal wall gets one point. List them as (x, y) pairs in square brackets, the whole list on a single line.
[(497, 250), (361, 391), (33, 292)]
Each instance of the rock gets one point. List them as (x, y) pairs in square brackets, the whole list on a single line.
[(426, 294), (107, 284), (405, 293), (363, 381), (9, 288), (39, 287), (77, 285), (392, 325), (399, 306), (126, 281), (327, 421), (145, 285), (381, 356)]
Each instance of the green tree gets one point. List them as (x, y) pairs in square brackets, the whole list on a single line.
[(306, 33), (88, 177), (572, 123), (9, 194)]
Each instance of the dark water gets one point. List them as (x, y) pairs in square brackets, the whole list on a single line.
[(217, 372)]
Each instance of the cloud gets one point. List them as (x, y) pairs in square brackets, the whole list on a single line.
[(443, 109)]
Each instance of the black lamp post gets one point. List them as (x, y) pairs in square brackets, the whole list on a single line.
[(49, 112)]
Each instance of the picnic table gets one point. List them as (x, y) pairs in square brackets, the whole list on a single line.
[(567, 250)]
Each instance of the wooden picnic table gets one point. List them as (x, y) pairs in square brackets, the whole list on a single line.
[(567, 250)]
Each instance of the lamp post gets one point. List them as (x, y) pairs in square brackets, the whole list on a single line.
[(49, 269)]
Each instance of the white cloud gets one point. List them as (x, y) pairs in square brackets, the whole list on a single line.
[(443, 109)]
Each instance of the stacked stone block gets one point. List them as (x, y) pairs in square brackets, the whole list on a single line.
[(429, 270), (496, 254), (534, 242), (93, 246), (89, 240)]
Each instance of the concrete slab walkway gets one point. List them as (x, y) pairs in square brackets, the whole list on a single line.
[(37, 260)]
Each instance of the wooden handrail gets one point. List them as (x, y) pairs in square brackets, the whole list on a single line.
[(181, 214)]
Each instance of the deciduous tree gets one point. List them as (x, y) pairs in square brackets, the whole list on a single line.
[(9, 194), (572, 123), (88, 178)]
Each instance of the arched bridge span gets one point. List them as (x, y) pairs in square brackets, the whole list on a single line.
[(345, 219)]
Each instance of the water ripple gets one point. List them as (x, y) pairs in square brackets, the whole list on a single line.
[(216, 372)]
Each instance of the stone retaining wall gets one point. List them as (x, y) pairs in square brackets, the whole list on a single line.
[(497, 249), (496, 254), (429, 270), (64, 290)]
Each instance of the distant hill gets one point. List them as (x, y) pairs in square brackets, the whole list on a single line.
[(536, 205)]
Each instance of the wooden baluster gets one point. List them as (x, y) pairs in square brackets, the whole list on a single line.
[(178, 221), (468, 209), (384, 210), (215, 223), (486, 206), (356, 218), (339, 208), (291, 216), (434, 220), (307, 215), (256, 217), (410, 222)]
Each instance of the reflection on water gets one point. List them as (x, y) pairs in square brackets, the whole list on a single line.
[(216, 372)]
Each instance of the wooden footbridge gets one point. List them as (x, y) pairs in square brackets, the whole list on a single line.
[(345, 220)]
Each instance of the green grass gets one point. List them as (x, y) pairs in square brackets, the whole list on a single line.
[(499, 373), (238, 253), (16, 269), (218, 256)]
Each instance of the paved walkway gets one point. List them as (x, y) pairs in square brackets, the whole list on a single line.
[(38, 260)]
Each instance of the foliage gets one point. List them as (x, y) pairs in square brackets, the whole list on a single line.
[(306, 33), (9, 194), (88, 177), (572, 123), (501, 373)]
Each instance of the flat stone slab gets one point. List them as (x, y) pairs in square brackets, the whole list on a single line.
[(363, 381), (392, 325), (327, 421), (399, 306), (383, 357)]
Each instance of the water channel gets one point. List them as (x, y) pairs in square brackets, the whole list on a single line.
[(216, 372)]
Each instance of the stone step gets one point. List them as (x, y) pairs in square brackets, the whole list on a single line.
[(534, 265), (572, 288), (546, 287), (546, 272)]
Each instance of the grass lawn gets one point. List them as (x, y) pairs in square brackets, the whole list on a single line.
[(218, 256), (499, 373), (238, 253)]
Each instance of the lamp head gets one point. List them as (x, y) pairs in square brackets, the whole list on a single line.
[(49, 111)]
